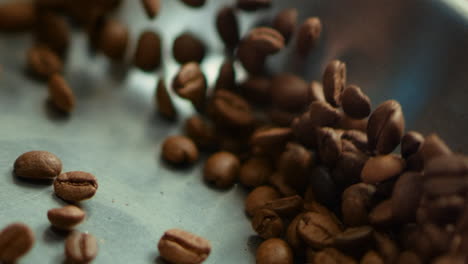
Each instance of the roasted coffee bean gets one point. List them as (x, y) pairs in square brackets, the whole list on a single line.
[(349, 166), (332, 256), (271, 138), (164, 102), (308, 35), (281, 117), (274, 251), (289, 92), (356, 203), (329, 145), (267, 223), (372, 257), (257, 89), (382, 214), (113, 39), (324, 188), (441, 186), (286, 206), (265, 40), (411, 143), (258, 197), (67, 217), (292, 236), (380, 168), (188, 48), (280, 181), (285, 22), (179, 246), (317, 230), (408, 257), (295, 162), (221, 169), (75, 186), (231, 110), (255, 172), (15, 241), (148, 51), (81, 248), (355, 240), (432, 147), (228, 27), (201, 132), (386, 247), (190, 83), (53, 31), (226, 76), (17, 16), (447, 259), (406, 196), (444, 210), (347, 122), (316, 91), (179, 150), (358, 138), (334, 82), (60, 94), (252, 60), (37, 165), (253, 5), (194, 3), (43, 62), (447, 166), (386, 127), (151, 7), (355, 103)]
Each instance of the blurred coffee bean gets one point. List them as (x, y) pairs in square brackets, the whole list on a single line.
[(411, 143), (448, 259), (53, 31), (201, 132), (255, 172), (355, 240), (316, 91), (265, 40), (292, 236), (43, 62), (386, 127), (406, 196), (295, 162), (356, 203), (258, 197), (148, 51), (164, 102), (324, 188), (221, 169), (382, 214), (286, 206), (289, 92), (329, 145), (348, 169), (257, 89), (308, 35), (318, 231), (228, 27), (67, 217), (281, 117), (381, 168), (17, 16), (355, 103), (190, 83), (271, 138), (332, 256), (60, 94), (252, 60), (16, 240), (152, 7), (347, 122), (113, 39), (188, 48), (267, 224), (194, 3), (179, 150), (285, 22), (386, 247), (372, 257), (444, 210), (432, 147), (358, 138), (226, 76), (334, 82), (253, 5), (274, 251), (280, 181), (231, 110)]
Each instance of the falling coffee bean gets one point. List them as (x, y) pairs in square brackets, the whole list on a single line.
[(292, 235), (381, 168), (43, 62), (285, 22), (267, 224), (113, 39), (148, 51), (188, 48), (411, 143), (164, 102), (252, 60), (265, 40), (274, 251), (81, 248), (354, 240), (179, 246), (289, 92), (355, 103), (221, 169), (40, 165), (228, 26), (231, 110), (15, 241), (67, 217), (334, 82), (201, 132), (432, 147), (60, 94), (53, 31), (190, 83), (151, 7), (226, 76), (308, 35), (75, 186), (179, 150), (257, 89)]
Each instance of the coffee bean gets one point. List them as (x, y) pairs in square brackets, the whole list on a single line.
[(406, 196), (190, 83), (318, 231), (221, 169), (280, 181), (329, 145), (53, 31), (113, 39), (267, 223), (60, 94), (148, 51), (179, 150), (356, 202), (152, 7), (274, 251), (386, 126), (257, 89), (316, 92), (75, 186), (447, 259), (81, 248), (292, 236), (281, 117), (358, 138), (441, 186), (252, 60), (258, 197), (372, 257), (17, 16), (164, 102), (255, 172), (295, 162), (226, 76), (43, 62), (194, 3), (38, 165), (411, 143), (286, 206), (347, 122), (324, 188), (285, 22), (332, 256), (289, 92), (432, 147), (231, 110), (188, 48), (349, 166), (179, 246), (308, 35), (355, 240), (382, 214), (334, 82), (253, 5), (201, 132), (355, 103), (15, 241), (271, 138), (447, 166), (380, 168), (228, 27), (386, 247), (67, 217), (265, 40)]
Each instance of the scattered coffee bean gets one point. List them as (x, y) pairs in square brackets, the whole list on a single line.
[(152, 7), (188, 48), (355, 103), (252, 60), (411, 143), (356, 203), (53, 31), (148, 51), (258, 197), (406, 196), (267, 223), (274, 251), (81, 248), (432, 147), (255, 172), (380, 168), (386, 127), (179, 150), (289, 92), (332, 256), (265, 40), (17, 16), (190, 83), (67, 217), (329, 145), (75, 186), (43, 62), (334, 82), (257, 89), (253, 5), (317, 230), (15, 241), (285, 22), (201, 132), (308, 35), (372, 257), (113, 39), (228, 27), (39, 165), (164, 102), (286, 206), (179, 246), (221, 169), (194, 3), (226, 76), (231, 110), (60, 94)]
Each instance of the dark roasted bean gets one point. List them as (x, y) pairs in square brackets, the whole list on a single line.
[(334, 82), (267, 223), (308, 35)]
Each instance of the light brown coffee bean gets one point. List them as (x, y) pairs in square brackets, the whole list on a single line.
[(386, 127), (226, 76), (380, 168), (332, 256), (113, 39), (221, 169), (382, 214), (164, 102), (286, 206), (231, 110), (252, 60), (372, 257), (253, 5), (39, 165), (60, 94), (179, 150), (406, 196), (316, 91), (15, 241), (17, 16), (432, 147), (274, 251), (201, 132), (75, 186), (148, 51), (411, 143), (355, 103), (194, 3), (188, 48), (267, 223), (67, 217), (356, 203), (81, 248), (152, 7), (53, 31), (265, 40), (285, 22), (308, 35), (179, 246), (258, 197), (43, 62), (228, 27), (255, 172), (190, 83), (318, 231), (334, 82), (329, 145), (289, 92)]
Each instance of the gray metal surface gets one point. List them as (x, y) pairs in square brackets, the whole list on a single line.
[(413, 51)]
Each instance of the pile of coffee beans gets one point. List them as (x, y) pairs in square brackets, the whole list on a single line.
[(325, 183)]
